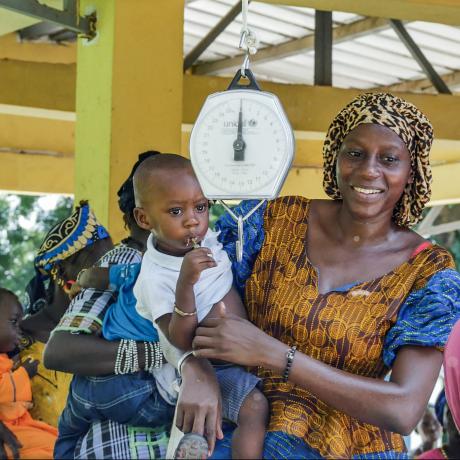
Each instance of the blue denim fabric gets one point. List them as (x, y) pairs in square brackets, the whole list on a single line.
[(127, 399), (282, 446)]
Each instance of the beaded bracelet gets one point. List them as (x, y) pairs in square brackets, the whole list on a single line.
[(153, 356), (290, 358), (126, 361)]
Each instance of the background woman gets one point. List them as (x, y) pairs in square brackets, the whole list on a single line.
[(75, 243)]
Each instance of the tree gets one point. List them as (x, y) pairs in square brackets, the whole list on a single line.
[(23, 225)]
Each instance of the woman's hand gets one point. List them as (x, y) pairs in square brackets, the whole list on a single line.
[(231, 338), (199, 404), (31, 367)]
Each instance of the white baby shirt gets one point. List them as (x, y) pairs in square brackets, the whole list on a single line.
[(156, 286)]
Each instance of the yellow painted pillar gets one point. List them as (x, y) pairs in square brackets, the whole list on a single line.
[(129, 96)]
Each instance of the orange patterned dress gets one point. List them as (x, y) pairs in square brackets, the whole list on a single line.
[(357, 329)]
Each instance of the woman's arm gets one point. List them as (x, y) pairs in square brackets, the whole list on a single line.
[(93, 356), (396, 405), (199, 404)]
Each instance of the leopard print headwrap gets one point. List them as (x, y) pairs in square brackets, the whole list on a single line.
[(409, 124)]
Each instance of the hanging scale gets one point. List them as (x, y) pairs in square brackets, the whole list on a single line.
[(242, 144)]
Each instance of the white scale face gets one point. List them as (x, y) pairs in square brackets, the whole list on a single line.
[(242, 145)]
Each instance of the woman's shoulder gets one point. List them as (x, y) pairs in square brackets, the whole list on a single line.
[(290, 205), (434, 259)]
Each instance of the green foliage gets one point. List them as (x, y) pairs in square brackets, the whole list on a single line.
[(23, 225), (215, 212)]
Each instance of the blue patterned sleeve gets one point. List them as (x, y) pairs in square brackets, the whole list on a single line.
[(253, 230), (427, 316)]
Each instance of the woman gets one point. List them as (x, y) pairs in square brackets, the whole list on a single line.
[(71, 245), (340, 292)]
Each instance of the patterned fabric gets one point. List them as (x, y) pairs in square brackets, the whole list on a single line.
[(427, 316), (110, 440), (86, 312), (49, 388), (253, 240), (282, 446), (345, 329), (409, 124), (66, 238)]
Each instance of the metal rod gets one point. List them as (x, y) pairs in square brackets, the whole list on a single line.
[(418, 55), (201, 47), (67, 18), (323, 48)]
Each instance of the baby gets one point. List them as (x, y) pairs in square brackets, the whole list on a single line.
[(24, 436), (183, 275)]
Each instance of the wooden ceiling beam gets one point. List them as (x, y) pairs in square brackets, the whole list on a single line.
[(300, 45), (440, 11)]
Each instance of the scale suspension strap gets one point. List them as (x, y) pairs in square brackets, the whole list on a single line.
[(240, 220), (248, 39)]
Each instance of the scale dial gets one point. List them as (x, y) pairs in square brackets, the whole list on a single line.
[(241, 145)]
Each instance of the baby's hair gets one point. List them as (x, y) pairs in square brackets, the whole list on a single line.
[(154, 165)]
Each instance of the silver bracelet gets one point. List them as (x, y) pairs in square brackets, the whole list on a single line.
[(181, 361)]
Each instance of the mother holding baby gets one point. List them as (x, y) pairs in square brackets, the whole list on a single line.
[(338, 292)]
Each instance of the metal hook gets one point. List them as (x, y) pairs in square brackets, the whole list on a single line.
[(240, 242), (245, 65)]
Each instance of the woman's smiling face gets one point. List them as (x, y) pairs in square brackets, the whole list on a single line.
[(373, 169)]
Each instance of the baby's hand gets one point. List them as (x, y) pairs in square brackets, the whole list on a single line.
[(31, 367), (194, 263)]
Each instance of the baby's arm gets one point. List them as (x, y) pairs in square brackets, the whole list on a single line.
[(233, 306), (183, 322)]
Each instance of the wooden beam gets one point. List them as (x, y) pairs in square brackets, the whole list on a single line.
[(53, 53), (310, 108), (54, 137), (423, 85), (440, 11), (201, 47), (292, 47), (22, 173), (419, 56), (43, 85), (323, 48)]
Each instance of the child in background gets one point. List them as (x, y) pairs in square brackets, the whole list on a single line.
[(183, 274), (20, 432)]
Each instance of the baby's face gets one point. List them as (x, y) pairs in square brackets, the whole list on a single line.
[(178, 214), (10, 315)]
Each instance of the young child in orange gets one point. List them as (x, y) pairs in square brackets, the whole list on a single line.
[(19, 431)]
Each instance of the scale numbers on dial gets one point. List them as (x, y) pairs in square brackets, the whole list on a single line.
[(264, 141)]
